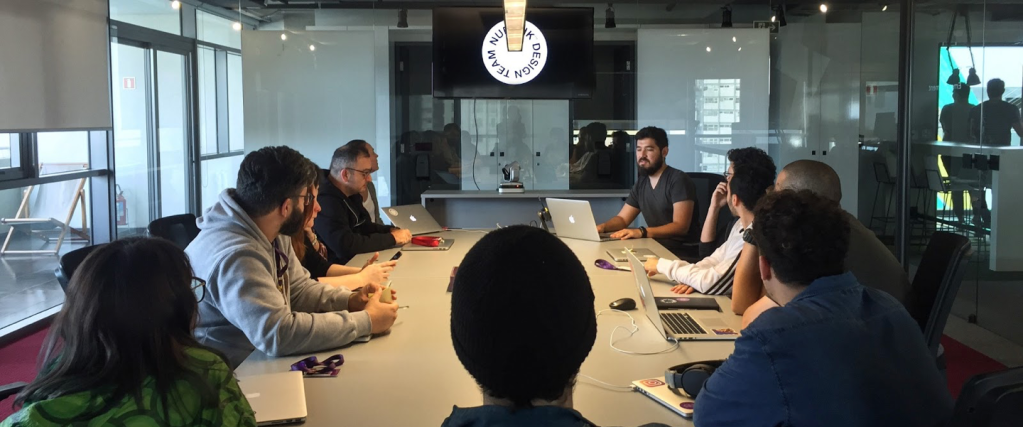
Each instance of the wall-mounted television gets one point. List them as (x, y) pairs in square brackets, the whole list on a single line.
[(471, 57)]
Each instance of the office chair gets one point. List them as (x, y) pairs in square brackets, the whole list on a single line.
[(179, 229), (936, 284), (69, 263), (705, 184), (990, 400)]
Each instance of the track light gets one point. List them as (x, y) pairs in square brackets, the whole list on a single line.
[(175, 5), (726, 17), (284, 37), (403, 18), (312, 48), (973, 79), (779, 15), (824, 8), (884, 8), (609, 16), (237, 26)]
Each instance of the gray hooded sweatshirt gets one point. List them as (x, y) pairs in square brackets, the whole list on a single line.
[(243, 309)]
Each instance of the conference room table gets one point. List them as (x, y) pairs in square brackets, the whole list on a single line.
[(411, 376)]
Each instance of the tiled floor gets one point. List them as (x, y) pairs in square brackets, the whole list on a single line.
[(27, 283)]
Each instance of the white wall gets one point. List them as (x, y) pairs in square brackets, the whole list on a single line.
[(316, 101), (669, 64)]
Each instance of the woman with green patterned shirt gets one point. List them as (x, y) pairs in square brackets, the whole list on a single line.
[(121, 351)]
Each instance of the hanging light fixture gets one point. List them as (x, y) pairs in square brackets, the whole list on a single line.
[(779, 13), (973, 79), (403, 18), (609, 16), (514, 23)]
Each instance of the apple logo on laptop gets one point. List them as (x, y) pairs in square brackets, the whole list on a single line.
[(571, 219), (412, 217)]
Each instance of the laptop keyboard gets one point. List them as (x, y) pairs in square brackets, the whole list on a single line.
[(682, 323)]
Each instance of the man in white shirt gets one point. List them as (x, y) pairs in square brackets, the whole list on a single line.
[(750, 174)]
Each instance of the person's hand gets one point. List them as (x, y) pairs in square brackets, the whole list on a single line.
[(371, 260), (401, 236), (377, 274), (381, 315), (600, 228), (360, 298), (626, 234), (650, 266), (719, 199), (682, 289)]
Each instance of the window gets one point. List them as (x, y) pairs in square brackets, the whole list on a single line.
[(207, 100), (221, 112), (155, 14), (61, 152), (9, 154), (214, 29), (235, 108)]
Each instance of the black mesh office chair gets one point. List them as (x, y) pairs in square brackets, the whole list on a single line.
[(705, 185), (69, 262), (936, 284), (991, 400), (179, 229)]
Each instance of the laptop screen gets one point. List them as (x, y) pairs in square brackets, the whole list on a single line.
[(646, 293)]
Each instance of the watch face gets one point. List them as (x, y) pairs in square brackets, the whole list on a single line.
[(747, 236)]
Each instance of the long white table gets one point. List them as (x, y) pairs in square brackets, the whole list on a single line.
[(412, 377)]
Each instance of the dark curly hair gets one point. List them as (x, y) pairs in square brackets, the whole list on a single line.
[(750, 183), (752, 156), (803, 236)]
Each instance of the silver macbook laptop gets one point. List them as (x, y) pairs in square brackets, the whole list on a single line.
[(414, 218), (276, 398), (573, 219), (683, 325)]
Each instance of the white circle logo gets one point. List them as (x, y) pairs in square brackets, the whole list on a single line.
[(514, 68)]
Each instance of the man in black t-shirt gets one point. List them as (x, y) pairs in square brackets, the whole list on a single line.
[(666, 197), (995, 118)]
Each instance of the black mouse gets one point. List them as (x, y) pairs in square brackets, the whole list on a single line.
[(623, 304)]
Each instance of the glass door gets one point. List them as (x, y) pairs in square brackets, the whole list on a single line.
[(151, 134)]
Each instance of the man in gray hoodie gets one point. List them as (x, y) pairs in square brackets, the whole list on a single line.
[(258, 294)]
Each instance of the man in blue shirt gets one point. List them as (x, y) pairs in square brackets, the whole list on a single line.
[(833, 353)]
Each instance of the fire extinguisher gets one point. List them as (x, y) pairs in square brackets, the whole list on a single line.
[(121, 205)]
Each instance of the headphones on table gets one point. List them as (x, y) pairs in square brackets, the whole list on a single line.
[(689, 377)]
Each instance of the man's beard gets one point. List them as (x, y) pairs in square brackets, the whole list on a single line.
[(653, 167), (294, 223)]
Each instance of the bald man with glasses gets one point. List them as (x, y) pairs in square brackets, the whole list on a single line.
[(344, 224)]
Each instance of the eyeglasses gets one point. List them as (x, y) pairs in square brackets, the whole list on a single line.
[(308, 198), (365, 173), (198, 288), (727, 175)]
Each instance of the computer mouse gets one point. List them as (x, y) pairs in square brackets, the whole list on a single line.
[(624, 304)]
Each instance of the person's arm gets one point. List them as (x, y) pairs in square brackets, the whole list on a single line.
[(744, 391), (709, 235), (747, 287), (756, 310), (341, 270), (705, 274), (245, 290), (375, 274), (620, 221), (335, 231)]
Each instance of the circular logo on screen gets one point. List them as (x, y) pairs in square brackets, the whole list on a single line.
[(514, 68)]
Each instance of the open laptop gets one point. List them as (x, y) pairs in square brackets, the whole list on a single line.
[(417, 220), (573, 219), (276, 398), (683, 324)]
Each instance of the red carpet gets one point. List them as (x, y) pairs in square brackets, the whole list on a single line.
[(963, 362), (19, 362)]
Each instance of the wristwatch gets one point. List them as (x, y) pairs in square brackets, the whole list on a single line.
[(642, 232), (747, 235)]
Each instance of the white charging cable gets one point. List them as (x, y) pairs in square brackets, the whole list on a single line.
[(632, 331), (613, 387)]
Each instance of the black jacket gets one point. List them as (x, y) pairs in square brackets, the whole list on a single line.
[(344, 226)]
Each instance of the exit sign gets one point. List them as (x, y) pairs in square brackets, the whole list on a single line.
[(128, 83), (773, 26)]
